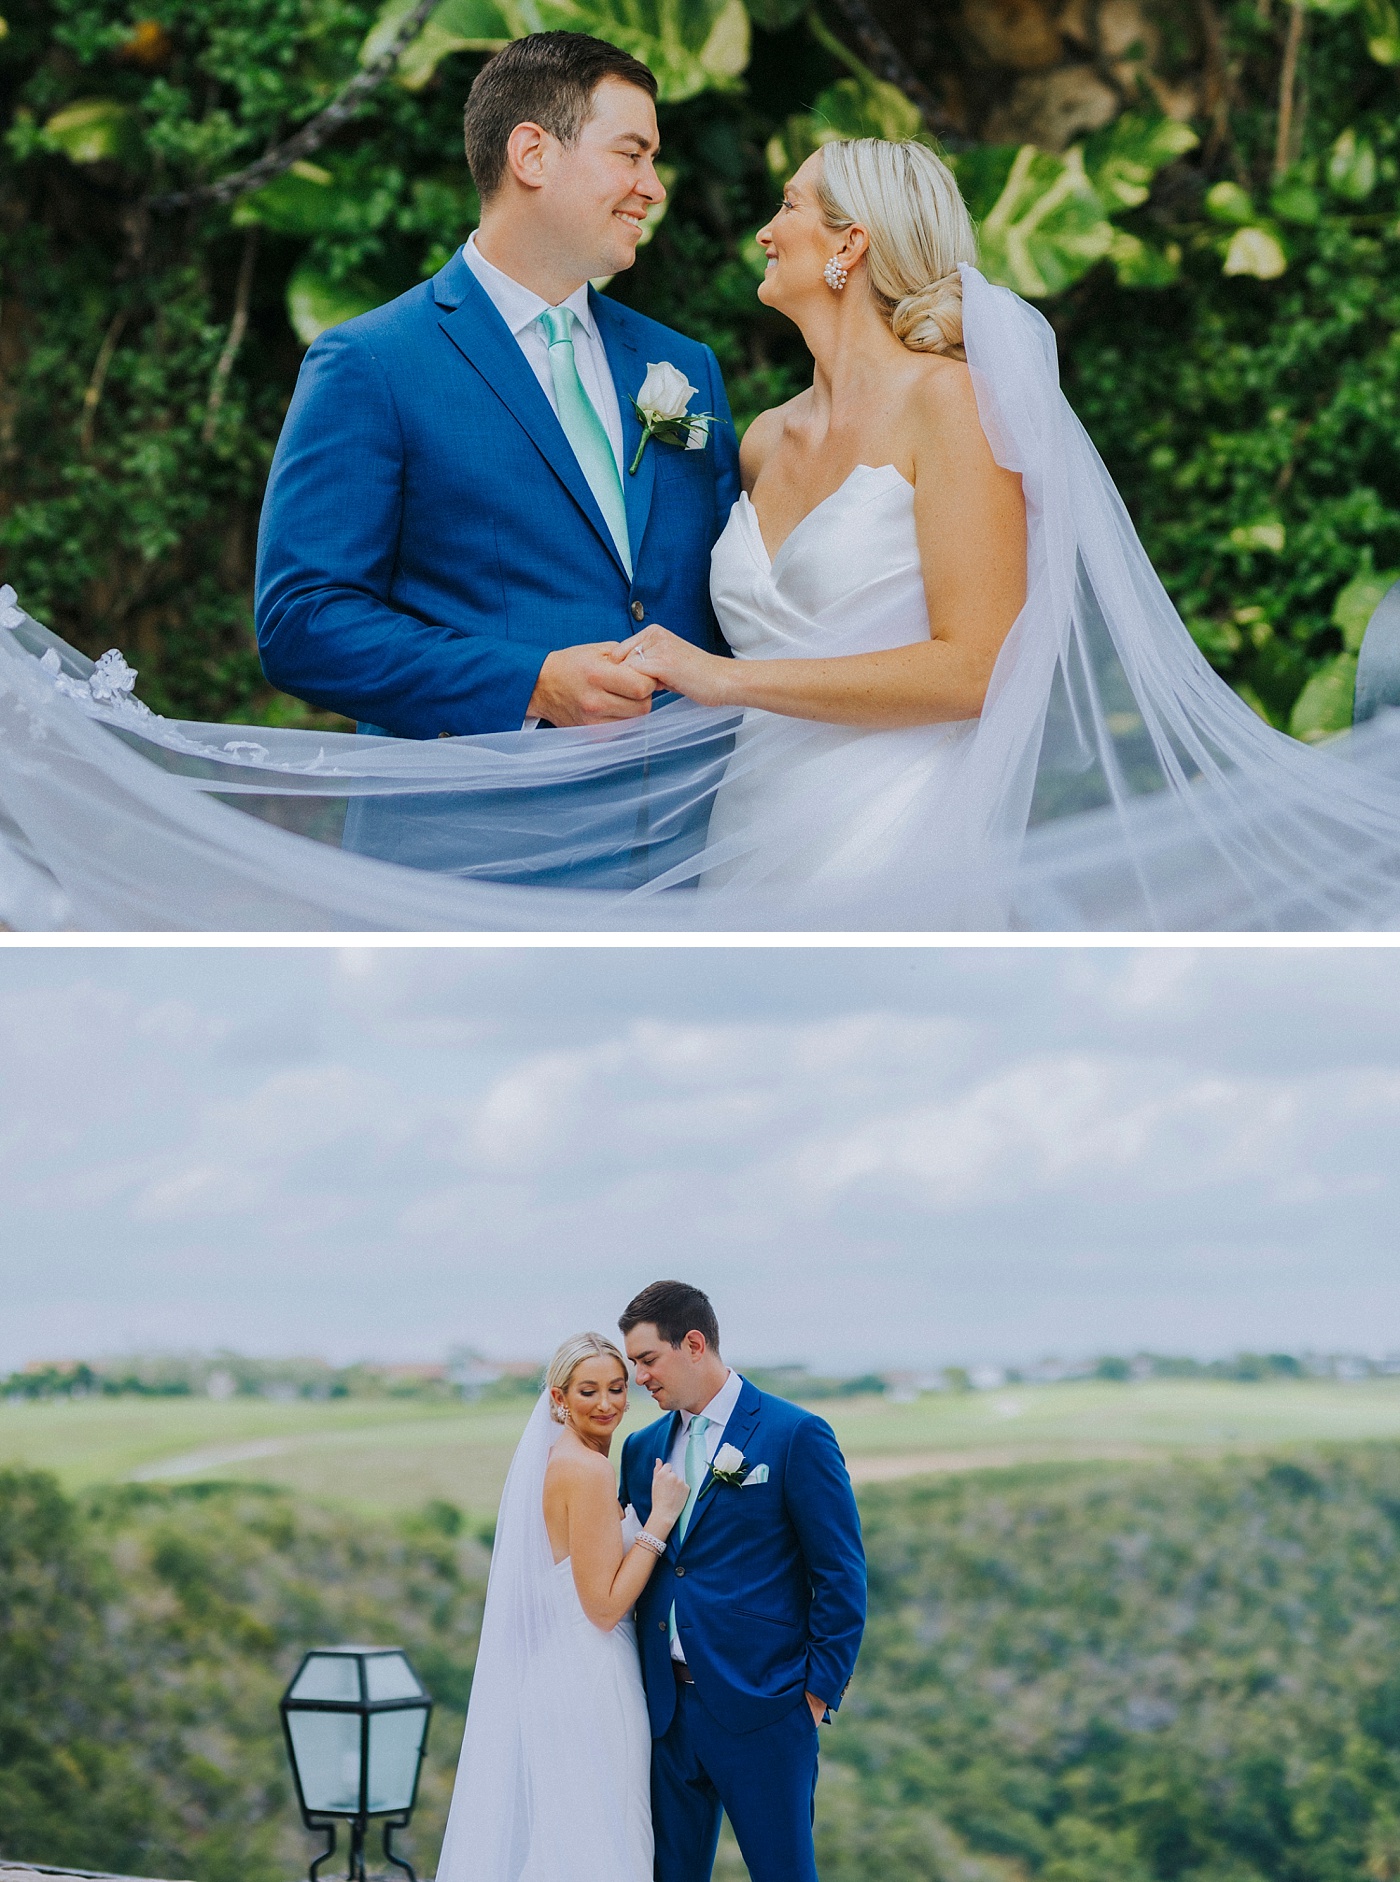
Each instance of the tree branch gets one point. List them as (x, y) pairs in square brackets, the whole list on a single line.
[(314, 132), (1287, 87), (238, 326), (92, 397), (887, 62)]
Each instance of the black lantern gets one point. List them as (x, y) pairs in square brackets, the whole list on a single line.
[(356, 1722)]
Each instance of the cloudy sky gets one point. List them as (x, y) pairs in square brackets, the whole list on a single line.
[(867, 1156)]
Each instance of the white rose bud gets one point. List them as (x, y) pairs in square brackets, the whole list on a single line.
[(665, 392), (728, 1457)]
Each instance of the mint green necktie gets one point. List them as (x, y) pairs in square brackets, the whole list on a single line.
[(583, 427), (696, 1466)]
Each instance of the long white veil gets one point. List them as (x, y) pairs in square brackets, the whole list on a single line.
[(1113, 781), (488, 1827)]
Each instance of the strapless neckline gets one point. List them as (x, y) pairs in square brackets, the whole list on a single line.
[(771, 562)]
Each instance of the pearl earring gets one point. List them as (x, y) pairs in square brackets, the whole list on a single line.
[(835, 275)]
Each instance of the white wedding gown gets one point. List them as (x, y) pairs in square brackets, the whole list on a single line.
[(1112, 782), (831, 805), (555, 1775)]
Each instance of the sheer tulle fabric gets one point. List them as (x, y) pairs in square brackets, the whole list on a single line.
[(554, 1778), (1112, 781)]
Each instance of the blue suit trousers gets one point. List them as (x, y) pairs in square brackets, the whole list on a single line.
[(765, 1780)]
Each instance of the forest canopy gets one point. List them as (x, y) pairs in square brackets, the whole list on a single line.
[(1202, 195), (1151, 1672)]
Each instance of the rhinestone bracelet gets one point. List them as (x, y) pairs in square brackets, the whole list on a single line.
[(649, 1541)]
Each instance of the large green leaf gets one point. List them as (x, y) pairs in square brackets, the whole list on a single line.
[(1357, 602), (852, 107), (1255, 251), (471, 25), (1382, 24), (691, 45), (304, 200), (1046, 219), (1122, 160), (1047, 227), (96, 130), (316, 303), (1351, 167), (1326, 703), (1227, 202)]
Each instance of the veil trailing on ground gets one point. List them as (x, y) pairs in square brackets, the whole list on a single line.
[(1112, 782), (487, 1837)]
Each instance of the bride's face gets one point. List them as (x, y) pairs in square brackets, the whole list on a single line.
[(595, 1398), (798, 243)]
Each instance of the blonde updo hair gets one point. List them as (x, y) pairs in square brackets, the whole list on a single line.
[(570, 1357), (905, 199)]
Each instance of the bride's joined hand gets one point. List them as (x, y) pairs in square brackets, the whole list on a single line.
[(679, 667), (669, 1495)]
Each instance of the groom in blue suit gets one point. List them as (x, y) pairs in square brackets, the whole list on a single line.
[(750, 1624), (454, 538)]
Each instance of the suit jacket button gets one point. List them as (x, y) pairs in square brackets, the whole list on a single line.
[(662, 1626), (680, 1571), (637, 610)]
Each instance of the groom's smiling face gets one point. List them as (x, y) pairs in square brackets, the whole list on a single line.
[(596, 192)]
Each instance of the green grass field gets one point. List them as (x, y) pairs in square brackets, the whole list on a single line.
[(386, 1455)]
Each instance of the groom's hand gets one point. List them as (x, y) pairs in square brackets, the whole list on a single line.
[(586, 686), (818, 1708)]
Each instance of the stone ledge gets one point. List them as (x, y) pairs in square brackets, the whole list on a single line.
[(35, 1871)]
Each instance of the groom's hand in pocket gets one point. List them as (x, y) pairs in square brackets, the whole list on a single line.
[(586, 686), (818, 1708)]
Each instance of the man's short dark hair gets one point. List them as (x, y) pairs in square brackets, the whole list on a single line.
[(547, 79), (674, 1308)]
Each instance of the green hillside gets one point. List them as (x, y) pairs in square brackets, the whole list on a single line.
[(1171, 1670), (387, 1455)]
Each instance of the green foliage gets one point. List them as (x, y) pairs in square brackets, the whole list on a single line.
[(145, 1641), (1251, 423), (1045, 220), (1226, 334), (1126, 1675), (1121, 1673), (689, 44)]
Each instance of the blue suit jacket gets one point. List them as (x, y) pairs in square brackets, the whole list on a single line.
[(428, 537), (769, 1582)]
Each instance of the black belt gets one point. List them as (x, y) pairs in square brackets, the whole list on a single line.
[(684, 1676)]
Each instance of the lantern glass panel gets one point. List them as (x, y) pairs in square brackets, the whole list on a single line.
[(395, 1739), (327, 1750), (328, 1676), (389, 1676)]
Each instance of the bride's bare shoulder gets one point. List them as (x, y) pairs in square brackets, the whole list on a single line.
[(764, 435), (943, 407), (573, 1466)]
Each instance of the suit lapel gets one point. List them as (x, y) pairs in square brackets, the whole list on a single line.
[(472, 324), (628, 371), (738, 1432)]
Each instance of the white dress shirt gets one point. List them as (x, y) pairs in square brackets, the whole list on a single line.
[(719, 1411), (520, 308)]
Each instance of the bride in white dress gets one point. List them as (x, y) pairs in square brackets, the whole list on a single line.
[(556, 1759), (962, 698)]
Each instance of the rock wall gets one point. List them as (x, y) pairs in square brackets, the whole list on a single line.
[(1051, 71)]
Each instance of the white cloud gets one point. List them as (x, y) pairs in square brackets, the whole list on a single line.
[(869, 1153)]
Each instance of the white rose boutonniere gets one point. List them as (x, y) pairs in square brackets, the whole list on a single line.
[(729, 1466), (661, 406)]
